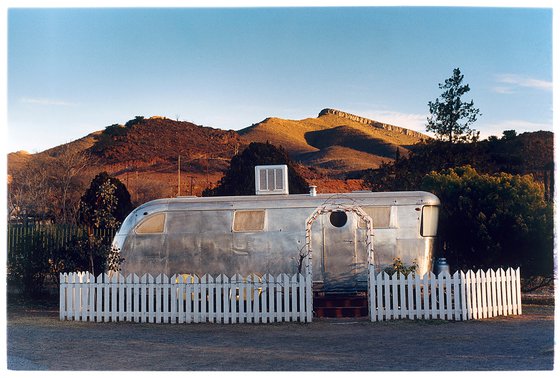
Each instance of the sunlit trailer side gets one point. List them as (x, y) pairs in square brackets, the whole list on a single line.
[(267, 234)]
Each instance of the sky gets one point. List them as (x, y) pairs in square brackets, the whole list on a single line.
[(72, 71)]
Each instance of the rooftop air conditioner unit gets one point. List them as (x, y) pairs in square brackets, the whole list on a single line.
[(271, 179)]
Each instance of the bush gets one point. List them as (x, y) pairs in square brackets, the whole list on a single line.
[(491, 221), (401, 268)]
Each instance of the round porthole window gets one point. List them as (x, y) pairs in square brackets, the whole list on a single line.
[(338, 218)]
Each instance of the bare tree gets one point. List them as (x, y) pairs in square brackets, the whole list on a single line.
[(29, 192), (49, 186), (67, 177)]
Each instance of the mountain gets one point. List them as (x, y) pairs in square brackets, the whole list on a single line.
[(145, 152), (335, 141)]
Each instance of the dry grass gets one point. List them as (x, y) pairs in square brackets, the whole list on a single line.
[(331, 142)]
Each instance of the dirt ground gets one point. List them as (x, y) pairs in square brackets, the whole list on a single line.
[(38, 340)]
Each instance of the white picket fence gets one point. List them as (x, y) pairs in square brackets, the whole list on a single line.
[(462, 296), (185, 298)]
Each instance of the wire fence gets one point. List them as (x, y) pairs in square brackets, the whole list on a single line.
[(51, 236)]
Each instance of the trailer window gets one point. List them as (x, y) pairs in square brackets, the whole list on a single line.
[(151, 225), (248, 220), (381, 216), (429, 224)]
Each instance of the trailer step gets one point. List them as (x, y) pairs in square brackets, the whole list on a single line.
[(342, 305)]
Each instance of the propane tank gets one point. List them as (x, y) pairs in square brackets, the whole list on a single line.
[(441, 265)]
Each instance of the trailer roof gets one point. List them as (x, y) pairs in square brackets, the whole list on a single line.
[(292, 201)]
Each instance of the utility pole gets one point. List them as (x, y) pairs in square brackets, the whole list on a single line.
[(179, 177), (136, 186)]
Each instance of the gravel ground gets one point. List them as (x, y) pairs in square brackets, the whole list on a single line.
[(38, 340)]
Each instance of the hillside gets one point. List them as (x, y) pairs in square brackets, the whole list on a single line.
[(331, 151), (336, 141), (144, 152)]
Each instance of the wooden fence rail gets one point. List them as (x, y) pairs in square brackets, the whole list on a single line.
[(185, 298), (462, 296)]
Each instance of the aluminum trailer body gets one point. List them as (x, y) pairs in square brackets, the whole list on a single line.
[(267, 234)]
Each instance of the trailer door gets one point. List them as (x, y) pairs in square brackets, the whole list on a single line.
[(339, 251)]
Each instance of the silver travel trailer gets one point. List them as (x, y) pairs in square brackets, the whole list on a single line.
[(271, 232)]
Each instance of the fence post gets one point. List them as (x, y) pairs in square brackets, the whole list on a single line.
[(62, 295), (380, 298), (371, 294)]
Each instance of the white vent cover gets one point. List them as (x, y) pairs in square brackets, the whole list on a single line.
[(271, 179)]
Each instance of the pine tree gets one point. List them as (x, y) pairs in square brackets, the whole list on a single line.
[(450, 118)]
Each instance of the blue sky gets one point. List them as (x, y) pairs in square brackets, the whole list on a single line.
[(75, 71)]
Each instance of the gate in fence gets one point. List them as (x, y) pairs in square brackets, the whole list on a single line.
[(185, 298)]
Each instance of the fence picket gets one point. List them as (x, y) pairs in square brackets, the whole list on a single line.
[(440, 295), (518, 291), (501, 292), (225, 298), (293, 296), (410, 295), (508, 292), (423, 305), (448, 308), (309, 295), (433, 295), (73, 298), (144, 298), (380, 297), (394, 297), (84, 296), (417, 296), (265, 311), (113, 293), (219, 297), (492, 296), (286, 296), (128, 302), (196, 299), (233, 298), (302, 286), (484, 289), (151, 302), (455, 297), (203, 298), (158, 294)]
